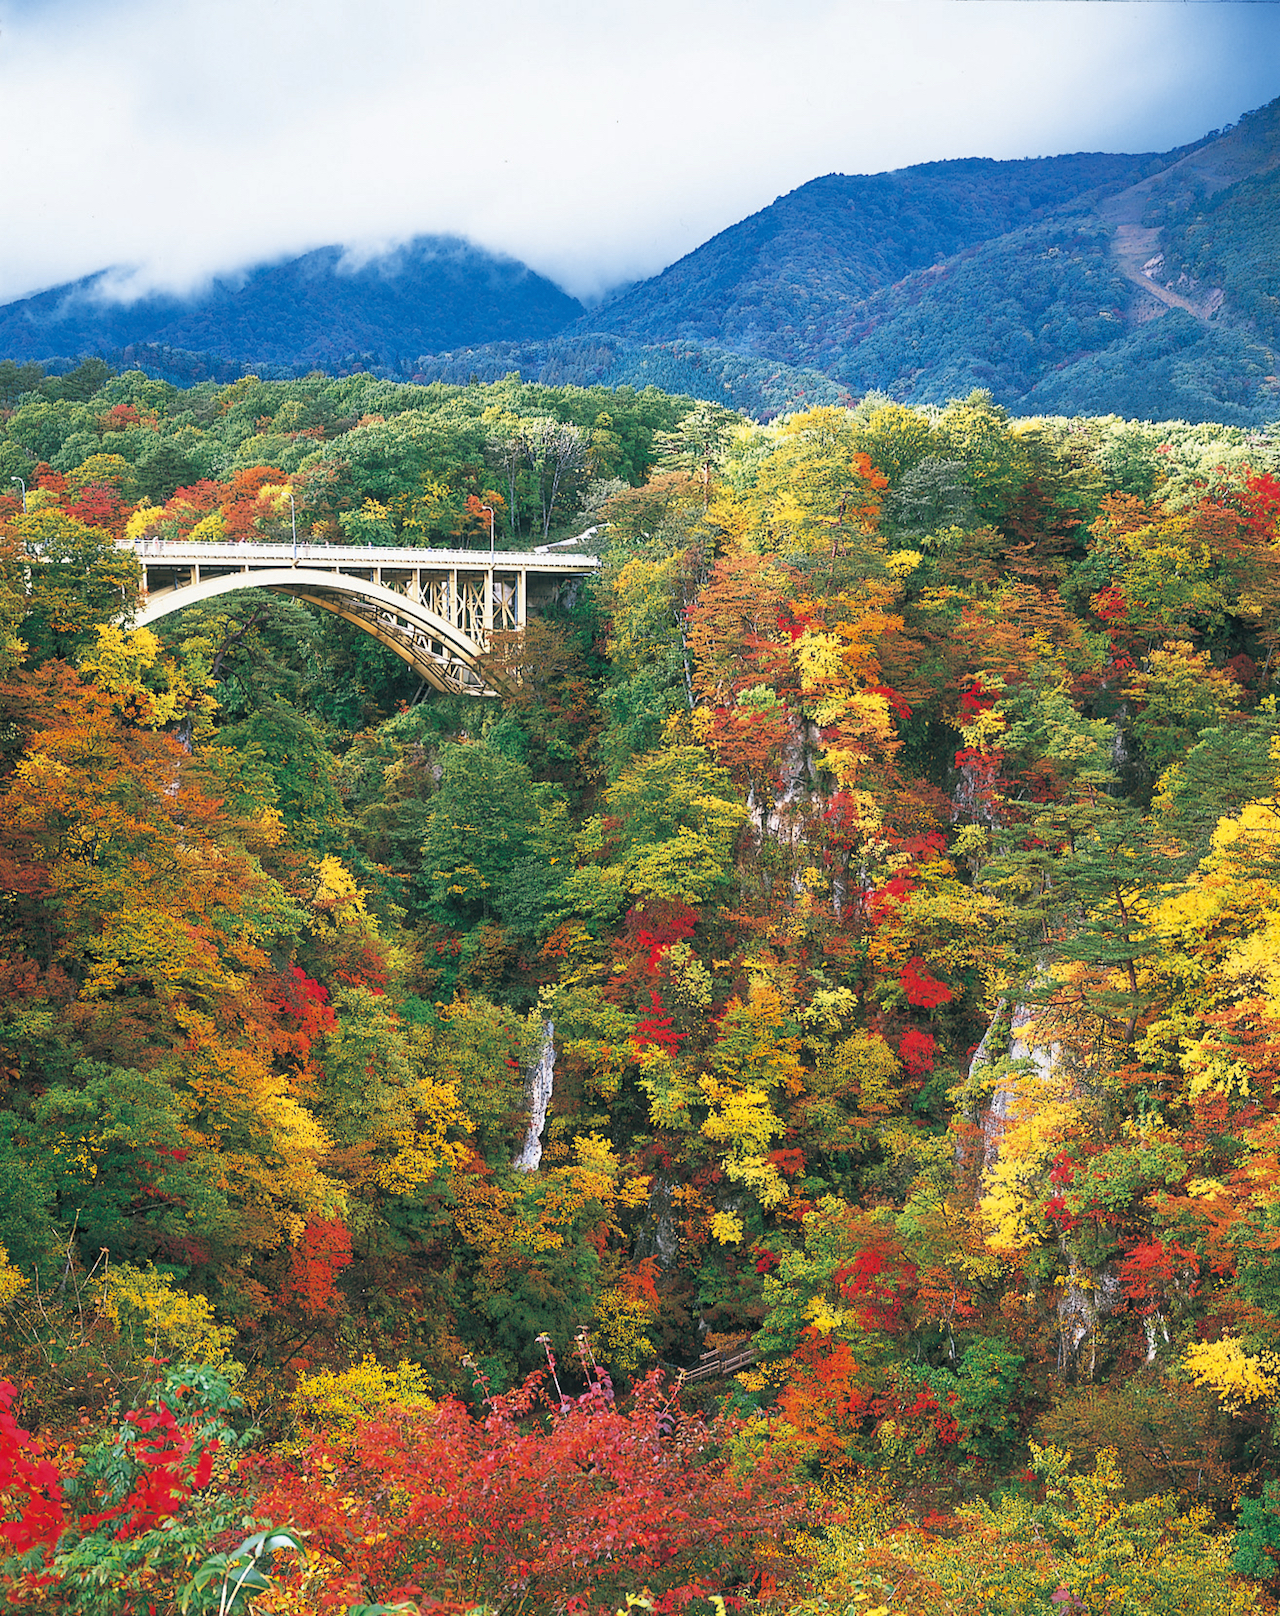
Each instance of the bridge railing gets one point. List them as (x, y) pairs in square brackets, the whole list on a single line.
[(234, 553)]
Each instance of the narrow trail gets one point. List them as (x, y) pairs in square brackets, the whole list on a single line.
[(1134, 245), (1252, 147)]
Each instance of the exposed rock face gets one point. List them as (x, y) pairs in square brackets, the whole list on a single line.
[(1043, 1057), (657, 1235), (542, 1079), (1086, 1298), (1084, 1302), (994, 1116)]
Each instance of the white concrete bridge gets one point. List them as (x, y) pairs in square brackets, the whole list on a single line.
[(437, 609)]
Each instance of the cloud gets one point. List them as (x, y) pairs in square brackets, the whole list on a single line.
[(596, 143)]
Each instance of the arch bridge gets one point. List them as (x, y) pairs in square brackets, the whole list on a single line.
[(436, 609)]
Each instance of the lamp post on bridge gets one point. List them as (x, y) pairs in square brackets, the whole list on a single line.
[(293, 522), (23, 487), (489, 508)]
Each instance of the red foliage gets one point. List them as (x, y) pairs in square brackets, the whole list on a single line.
[(788, 1161), (899, 703), (1151, 1271), (240, 508), (882, 902), (169, 1464), (1261, 503), (301, 1013), (314, 1265), (575, 1509), (835, 1409), (1110, 605), (655, 1026), (160, 1447), (975, 700), (121, 417), (29, 1482), (921, 989), (641, 1283), (99, 506), (916, 1051), (672, 923), (362, 966), (874, 1282)]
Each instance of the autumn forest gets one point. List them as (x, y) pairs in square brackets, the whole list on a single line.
[(778, 1111)]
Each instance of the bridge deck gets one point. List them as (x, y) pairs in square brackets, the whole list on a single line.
[(343, 557)]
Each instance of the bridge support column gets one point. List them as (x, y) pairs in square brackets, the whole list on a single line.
[(522, 598)]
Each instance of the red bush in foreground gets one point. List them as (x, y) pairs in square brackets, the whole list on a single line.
[(570, 1500)]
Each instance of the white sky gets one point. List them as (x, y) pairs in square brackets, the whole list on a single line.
[(597, 141)]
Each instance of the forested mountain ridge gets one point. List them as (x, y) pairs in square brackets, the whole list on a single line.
[(432, 293), (1024, 278), (1141, 285), (776, 283), (884, 847)]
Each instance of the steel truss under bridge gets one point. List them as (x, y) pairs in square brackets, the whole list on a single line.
[(437, 609)]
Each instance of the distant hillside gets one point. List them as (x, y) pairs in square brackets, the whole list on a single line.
[(1142, 286), (433, 294), (761, 387), (774, 283)]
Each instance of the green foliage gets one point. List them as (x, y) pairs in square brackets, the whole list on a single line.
[(487, 818), (1257, 1540)]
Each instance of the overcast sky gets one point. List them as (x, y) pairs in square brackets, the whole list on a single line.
[(597, 141)]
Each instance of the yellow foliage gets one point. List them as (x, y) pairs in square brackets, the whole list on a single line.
[(823, 1317), (744, 1124), (337, 897), (757, 1045), (336, 1400), (416, 1122), (142, 518), (211, 529), (596, 1157), (761, 1177), (726, 1227), (828, 1011), (819, 659), (11, 1281), (865, 1065), (118, 666), (741, 1119), (1037, 1122), (1226, 1368), (164, 1321), (620, 1338), (672, 1092)]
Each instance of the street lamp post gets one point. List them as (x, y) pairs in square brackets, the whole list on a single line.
[(23, 487), (293, 522), (489, 509)]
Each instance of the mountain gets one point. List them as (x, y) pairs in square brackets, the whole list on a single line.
[(776, 282), (1142, 285), (435, 293), (1145, 285)]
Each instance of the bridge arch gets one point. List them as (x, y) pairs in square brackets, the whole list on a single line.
[(440, 652)]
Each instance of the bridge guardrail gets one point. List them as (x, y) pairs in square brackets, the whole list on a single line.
[(359, 555)]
